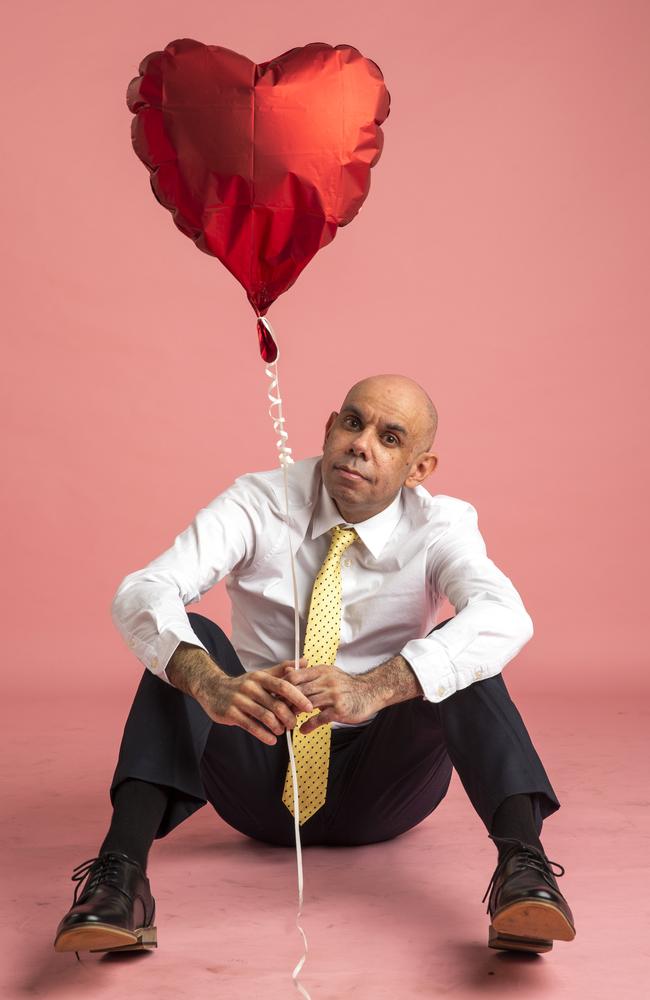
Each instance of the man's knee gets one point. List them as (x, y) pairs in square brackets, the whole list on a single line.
[(216, 642), (204, 628)]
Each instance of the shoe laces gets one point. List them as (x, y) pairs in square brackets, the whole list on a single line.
[(103, 868), (527, 857)]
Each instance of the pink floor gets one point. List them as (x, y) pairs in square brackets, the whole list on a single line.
[(395, 920)]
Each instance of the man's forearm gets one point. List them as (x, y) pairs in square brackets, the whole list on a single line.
[(190, 668), (393, 681)]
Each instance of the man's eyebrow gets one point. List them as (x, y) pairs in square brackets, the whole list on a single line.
[(397, 427), (352, 409), (389, 427)]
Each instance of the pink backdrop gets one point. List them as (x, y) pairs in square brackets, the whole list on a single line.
[(501, 258)]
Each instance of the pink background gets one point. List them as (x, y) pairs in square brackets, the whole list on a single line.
[(501, 258)]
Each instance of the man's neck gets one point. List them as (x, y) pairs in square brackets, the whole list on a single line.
[(356, 517)]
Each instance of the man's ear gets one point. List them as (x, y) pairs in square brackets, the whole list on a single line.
[(422, 467), (332, 417)]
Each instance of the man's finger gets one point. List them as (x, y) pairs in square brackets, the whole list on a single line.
[(314, 691), (311, 666), (317, 720), (302, 676), (288, 691), (291, 664)]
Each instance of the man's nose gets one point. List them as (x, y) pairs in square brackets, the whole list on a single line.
[(360, 444)]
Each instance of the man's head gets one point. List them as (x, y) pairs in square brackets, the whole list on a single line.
[(384, 432)]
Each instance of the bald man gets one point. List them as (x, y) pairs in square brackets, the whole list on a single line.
[(406, 701)]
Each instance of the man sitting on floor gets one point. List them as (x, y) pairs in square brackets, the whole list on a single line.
[(384, 705)]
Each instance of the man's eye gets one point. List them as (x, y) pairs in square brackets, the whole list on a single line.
[(394, 439), (350, 418)]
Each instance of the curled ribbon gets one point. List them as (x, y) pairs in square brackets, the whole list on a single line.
[(284, 452)]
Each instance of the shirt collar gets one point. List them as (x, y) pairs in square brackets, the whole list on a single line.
[(374, 532)]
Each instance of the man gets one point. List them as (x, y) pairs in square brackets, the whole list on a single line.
[(383, 706)]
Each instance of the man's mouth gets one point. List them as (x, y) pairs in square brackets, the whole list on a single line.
[(349, 472)]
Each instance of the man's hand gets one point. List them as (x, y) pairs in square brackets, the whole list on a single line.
[(260, 701), (340, 697)]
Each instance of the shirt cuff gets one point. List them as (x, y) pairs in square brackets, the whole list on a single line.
[(432, 667), (156, 657)]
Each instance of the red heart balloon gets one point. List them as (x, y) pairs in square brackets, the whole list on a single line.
[(259, 163)]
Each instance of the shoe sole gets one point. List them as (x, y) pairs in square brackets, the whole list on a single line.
[(105, 937), (529, 925)]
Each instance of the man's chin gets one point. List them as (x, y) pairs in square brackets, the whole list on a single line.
[(349, 490), (351, 499)]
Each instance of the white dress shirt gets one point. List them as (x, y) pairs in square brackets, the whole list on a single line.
[(416, 550)]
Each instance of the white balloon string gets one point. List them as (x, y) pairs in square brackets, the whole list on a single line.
[(276, 404), (284, 452)]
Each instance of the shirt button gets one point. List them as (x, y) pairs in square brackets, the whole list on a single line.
[(348, 562), (441, 691), (154, 661)]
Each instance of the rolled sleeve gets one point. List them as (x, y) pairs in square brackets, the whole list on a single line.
[(491, 624)]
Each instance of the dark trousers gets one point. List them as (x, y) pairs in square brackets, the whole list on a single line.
[(384, 778)]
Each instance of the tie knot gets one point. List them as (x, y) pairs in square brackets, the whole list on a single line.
[(342, 538)]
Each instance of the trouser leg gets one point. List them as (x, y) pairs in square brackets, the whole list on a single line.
[(166, 733), (399, 767), (170, 740), (384, 777), (386, 780), (490, 748)]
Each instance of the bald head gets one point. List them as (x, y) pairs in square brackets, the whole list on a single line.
[(379, 442), (409, 397)]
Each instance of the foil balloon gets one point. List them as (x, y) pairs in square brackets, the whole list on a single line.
[(259, 163)]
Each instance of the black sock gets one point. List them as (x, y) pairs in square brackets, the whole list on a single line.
[(137, 811), (515, 818)]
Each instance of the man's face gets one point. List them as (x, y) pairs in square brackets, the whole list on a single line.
[(375, 445)]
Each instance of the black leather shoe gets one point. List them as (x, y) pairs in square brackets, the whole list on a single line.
[(115, 911), (527, 910)]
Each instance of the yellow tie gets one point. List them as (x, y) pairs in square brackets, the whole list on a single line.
[(312, 750)]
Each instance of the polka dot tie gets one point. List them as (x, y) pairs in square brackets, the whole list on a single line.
[(312, 750)]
